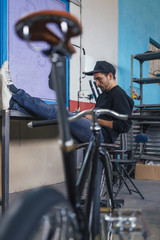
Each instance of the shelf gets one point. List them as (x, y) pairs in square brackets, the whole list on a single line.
[(148, 122), (147, 56), (150, 157), (147, 80), (147, 106)]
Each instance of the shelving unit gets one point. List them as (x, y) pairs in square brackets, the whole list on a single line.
[(151, 80), (152, 151)]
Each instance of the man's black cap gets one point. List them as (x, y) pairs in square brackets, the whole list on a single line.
[(102, 67)]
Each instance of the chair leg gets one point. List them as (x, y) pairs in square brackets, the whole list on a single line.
[(127, 175), (123, 180)]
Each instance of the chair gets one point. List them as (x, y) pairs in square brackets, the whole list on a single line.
[(117, 149), (121, 165), (140, 140)]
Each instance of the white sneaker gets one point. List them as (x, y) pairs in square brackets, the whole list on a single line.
[(4, 71), (5, 80)]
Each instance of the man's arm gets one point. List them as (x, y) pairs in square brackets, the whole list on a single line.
[(105, 123), (101, 122)]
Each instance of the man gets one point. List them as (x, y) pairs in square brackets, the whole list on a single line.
[(112, 97)]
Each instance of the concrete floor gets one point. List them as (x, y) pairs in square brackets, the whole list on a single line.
[(150, 206)]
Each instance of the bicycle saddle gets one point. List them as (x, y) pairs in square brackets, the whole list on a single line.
[(33, 27)]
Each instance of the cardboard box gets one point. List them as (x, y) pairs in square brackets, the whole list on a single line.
[(147, 172)]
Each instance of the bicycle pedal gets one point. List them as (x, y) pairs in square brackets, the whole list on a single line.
[(105, 210)]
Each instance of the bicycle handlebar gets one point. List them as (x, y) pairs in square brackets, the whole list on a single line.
[(114, 114), (98, 112)]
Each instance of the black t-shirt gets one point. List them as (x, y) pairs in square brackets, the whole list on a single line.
[(117, 100)]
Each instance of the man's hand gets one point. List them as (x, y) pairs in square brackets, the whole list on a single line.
[(88, 116), (101, 122)]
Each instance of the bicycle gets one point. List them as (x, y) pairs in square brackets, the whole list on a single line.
[(64, 218)]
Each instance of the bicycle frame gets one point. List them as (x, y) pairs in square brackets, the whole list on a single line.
[(89, 165), (59, 49)]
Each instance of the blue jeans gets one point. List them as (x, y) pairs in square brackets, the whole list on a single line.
[(23, 102)]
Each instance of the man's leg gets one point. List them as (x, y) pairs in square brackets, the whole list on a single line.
[(22, 101), (80, 129)]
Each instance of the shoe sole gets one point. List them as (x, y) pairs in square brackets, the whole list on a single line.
[(5, 94)]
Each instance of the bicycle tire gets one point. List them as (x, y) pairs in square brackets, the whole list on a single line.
[(20, 221), (103, 182)]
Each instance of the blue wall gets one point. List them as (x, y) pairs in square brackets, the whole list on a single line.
[(138, 21), (3, 31)]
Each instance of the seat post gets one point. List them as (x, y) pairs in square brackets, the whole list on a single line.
[(66, 139)]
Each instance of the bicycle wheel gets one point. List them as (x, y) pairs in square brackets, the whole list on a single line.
[(41, 214), (102, 195)]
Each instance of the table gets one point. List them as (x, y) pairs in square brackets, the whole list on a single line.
[(6, 116)]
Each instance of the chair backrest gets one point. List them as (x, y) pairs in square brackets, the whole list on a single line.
[(123, 143), (123, 137), (141, 139)]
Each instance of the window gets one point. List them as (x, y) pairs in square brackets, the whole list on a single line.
[(29, 70)]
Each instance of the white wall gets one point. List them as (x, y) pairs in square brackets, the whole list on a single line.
[(75, 59), (99, 39)]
